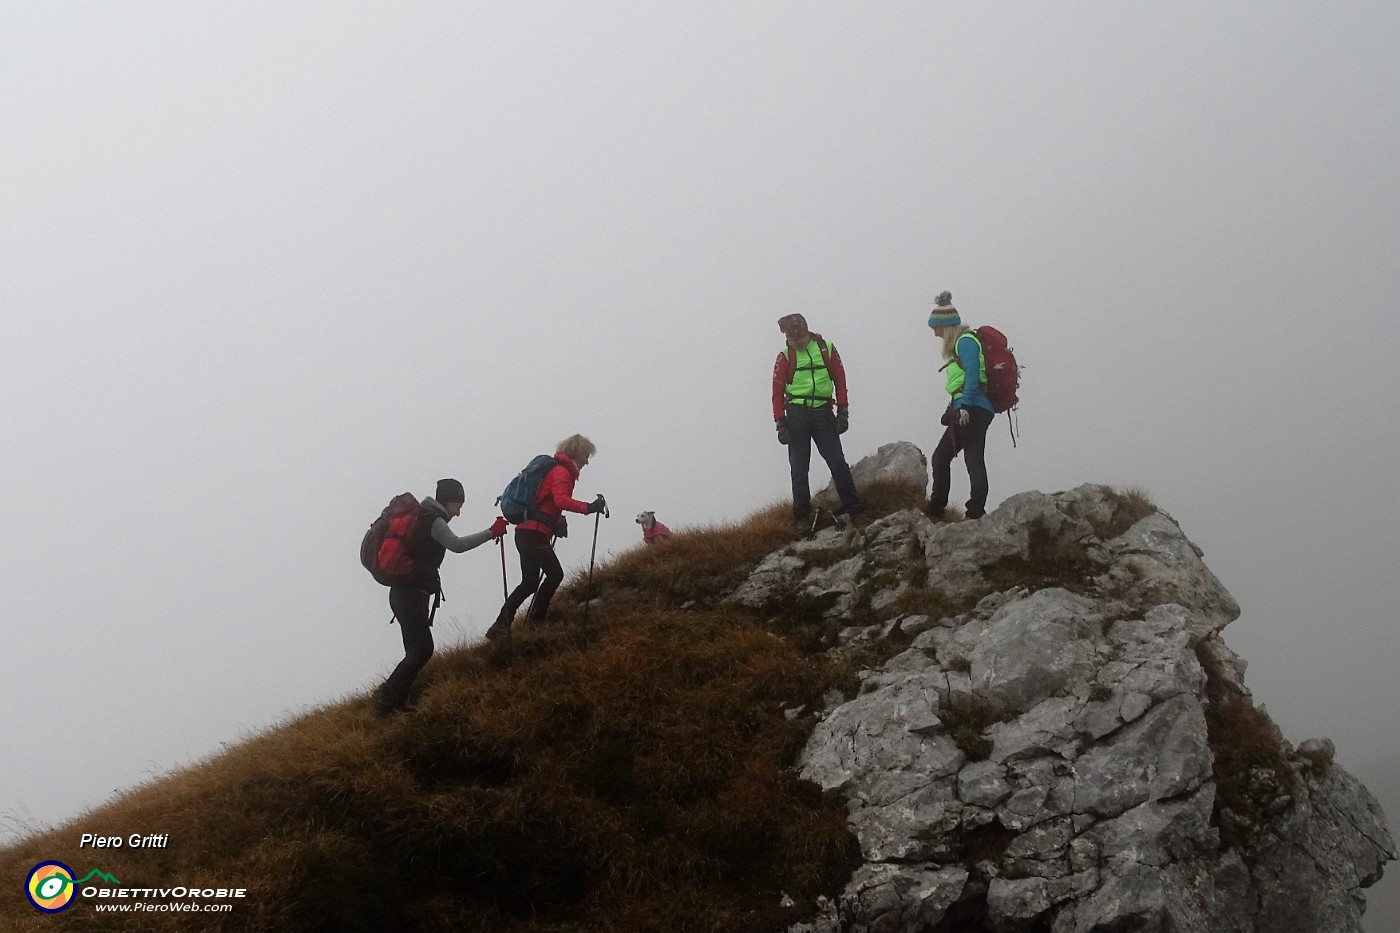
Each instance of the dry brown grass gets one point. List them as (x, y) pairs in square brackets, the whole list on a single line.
[(1049, 561), (1252, 775), (631, 774), (886, 496), (1131, 505), (694, 564), (967, 719)]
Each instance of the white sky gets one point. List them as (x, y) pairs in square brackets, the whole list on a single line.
[(263, 266)]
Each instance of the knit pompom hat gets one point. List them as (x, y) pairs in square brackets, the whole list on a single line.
[(944, 314)]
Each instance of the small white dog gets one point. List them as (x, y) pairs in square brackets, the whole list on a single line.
[(652, 530)]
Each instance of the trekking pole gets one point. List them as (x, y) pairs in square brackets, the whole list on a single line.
[(502, 542), (592, 558)]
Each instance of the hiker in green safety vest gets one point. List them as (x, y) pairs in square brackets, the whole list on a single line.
[(810, 406), (969, 412)]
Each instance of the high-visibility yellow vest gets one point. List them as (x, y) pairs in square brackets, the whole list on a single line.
[(955, 370), (811, 383)]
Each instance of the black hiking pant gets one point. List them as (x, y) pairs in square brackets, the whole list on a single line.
[(540, 574), (411, 608), (971, 441), (807, 426)]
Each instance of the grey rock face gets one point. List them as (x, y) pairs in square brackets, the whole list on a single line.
[(1037, 753), (1160, 756), (895, 898), (1031, 649), (1315, 859), (1169, 569)]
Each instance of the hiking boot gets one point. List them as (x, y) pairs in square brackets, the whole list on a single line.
[(500, 628), (384, 709), (937, 514), (802, 525)]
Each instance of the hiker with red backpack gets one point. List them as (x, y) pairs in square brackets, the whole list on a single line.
[(536, 502), (810, 407), (971, 409), (404, 550)]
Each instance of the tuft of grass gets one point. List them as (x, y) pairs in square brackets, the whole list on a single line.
[(1050, 561), (959, 662), (1100, 691), (920, 599), (886, 496), (966, 718), (1252, 776), (1131, 505)]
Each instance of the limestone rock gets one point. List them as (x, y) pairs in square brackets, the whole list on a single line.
[(900, 462), (896, 898), (1034, 752), (1168, 569)]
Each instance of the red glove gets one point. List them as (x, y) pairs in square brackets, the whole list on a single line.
[(498, 528)]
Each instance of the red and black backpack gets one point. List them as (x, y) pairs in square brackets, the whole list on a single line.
[(385, 550), (1003, 375)]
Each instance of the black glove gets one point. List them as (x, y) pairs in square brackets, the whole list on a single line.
[(961, 417), (843, 418), (597, 505), (783, 436)]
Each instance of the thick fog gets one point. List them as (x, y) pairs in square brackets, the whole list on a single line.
[(264, 266)]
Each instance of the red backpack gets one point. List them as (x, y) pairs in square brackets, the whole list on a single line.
[(384, 550), (1003, 375)]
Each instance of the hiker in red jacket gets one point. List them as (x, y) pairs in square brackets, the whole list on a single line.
[(808, 377), (540, 572)]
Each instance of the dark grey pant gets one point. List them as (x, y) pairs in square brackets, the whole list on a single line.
[(411, 608), (807, 426), (540, 573), (971, 441)]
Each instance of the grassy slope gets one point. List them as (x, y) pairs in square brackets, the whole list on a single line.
[(632, 773)]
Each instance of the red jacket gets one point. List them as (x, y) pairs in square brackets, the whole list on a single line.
[(786, 366), (556, 495)]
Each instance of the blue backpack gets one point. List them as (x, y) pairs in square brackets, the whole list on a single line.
[(518, 501)]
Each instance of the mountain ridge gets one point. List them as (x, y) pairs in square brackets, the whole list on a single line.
[(1028, 722)]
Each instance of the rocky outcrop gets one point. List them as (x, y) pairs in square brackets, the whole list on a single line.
[(900, 462), (1056, 739)]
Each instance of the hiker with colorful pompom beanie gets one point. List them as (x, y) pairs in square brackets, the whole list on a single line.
[(810, 407), (414, 599), (969, 412)]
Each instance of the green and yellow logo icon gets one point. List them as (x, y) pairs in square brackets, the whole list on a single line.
[(50, 887)]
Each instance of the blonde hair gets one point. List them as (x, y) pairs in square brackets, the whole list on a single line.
[(576, 447), (950, 339)]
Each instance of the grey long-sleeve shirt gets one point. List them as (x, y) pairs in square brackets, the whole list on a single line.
[(444, 536)]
